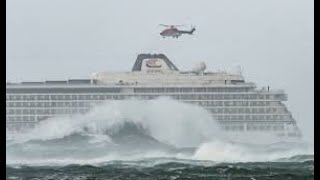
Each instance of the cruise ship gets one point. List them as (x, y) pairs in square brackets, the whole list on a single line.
[(241, 109)]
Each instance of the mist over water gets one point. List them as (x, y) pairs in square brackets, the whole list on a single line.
[(138, 129)]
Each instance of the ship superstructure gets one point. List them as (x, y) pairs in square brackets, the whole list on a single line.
[(239, 107)]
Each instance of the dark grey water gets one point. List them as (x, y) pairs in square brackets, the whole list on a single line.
[(170, 169), (74, 158)]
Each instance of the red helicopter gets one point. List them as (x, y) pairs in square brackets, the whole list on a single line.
[(173, 31)]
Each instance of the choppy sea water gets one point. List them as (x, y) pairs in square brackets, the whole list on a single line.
[(148, 140), (168, 169)]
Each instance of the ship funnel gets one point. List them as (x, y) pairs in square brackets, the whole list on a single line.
[(153, 62)]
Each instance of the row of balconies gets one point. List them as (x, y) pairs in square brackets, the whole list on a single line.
[(251, 110), (250, 117), (259, 128), (220, 118), (87, 103), (61, 109), (281, 97)]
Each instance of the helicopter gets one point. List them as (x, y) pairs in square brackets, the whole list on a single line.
[(173, 31)]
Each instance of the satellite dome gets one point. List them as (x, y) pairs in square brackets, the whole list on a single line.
[(199, 68)]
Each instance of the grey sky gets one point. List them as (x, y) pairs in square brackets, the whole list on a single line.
[(272, 40)]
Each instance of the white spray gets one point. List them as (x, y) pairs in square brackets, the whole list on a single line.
[(169, 121)]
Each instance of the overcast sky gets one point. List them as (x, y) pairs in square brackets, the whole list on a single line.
[(272, 40)]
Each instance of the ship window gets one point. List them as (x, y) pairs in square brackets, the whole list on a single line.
[(218, 96), (46, 97), (170, 90), (18, 111), (186, 90), (226, 96), (25, 111), (199, 89), (53, 97)]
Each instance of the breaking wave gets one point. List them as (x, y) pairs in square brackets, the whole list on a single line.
[(167, 120), (136, 129)]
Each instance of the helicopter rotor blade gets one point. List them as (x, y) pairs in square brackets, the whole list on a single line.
[(164, 25), (179, 25)]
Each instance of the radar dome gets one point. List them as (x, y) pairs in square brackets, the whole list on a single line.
[(199, 68)]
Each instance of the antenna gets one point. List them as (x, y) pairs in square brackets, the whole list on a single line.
[(239, 69)]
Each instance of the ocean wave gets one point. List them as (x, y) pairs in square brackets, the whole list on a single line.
[(136, 129)]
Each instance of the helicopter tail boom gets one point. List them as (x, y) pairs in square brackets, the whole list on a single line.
[(188, 32)]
